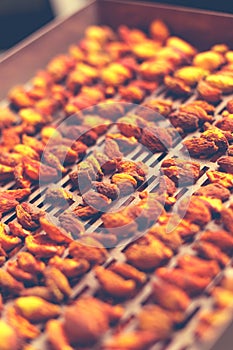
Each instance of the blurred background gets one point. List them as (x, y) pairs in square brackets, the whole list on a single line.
[(20, 18)]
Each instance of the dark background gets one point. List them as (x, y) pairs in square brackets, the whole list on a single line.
[(19, 18)]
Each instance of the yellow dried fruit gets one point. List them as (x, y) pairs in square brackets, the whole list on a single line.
[(146, 49), (181, 45), (55, 233), (23, 327), (226, 180), (222, 82), (33, 117), (190, 74), (36, 309), (56, 336), (229, 56), (123, 178), (208, 60), (26, 151), (9, 338)]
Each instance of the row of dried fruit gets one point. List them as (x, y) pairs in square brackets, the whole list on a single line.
[(72, 83)]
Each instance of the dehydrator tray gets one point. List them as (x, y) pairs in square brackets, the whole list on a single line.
[(202, 29)]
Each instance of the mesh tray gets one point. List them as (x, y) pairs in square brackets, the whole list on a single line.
[(200, 28)]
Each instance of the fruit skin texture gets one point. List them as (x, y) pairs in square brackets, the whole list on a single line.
[(9, 339)]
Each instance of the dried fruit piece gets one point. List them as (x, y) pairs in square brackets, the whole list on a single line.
[(211, 252), (53, 161), (87, 320), (177, 86), (125, 182), (155, 69), (10, 159), (220, 81), (182, 172), (223, 179), (152, 110), (59, 67), (18, 96), (170, 297), (208, 92), (85, 212), (96, 200), (195, 211), (132, 94), (71, 224), (131, 125), (6, 172), (154, 319), (149, 255), (58, 196), (146, 49), (36, 309), (209, 323), (57, 283), (26, 151), (214, 190), (7, 241), (56, 335), (190, 283), (220, 238), (20, 275), (55, 233), (197, 266), (70, 267), (159, 30), (42, 247), (17, 230), (109, 190), (7, 202), (200, 147), (9, 338), (181, 45), (129, 272), (171, 239), (29, 216), (209, 60), (28, 263), (111, 149), (88, 248), (113, 284), (119, 223), (20, 178), (33, 117), (222, 297), (156, 139), (190, 74), (226, 164), (23, 327), (230, 106), (38, 291), (37, 171), (226, 217), (8, 284), (138, 340), (185, 121), (115, 74), (217, 136)]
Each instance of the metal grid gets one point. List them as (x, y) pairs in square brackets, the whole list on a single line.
[(88, 284), (183, 338)]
